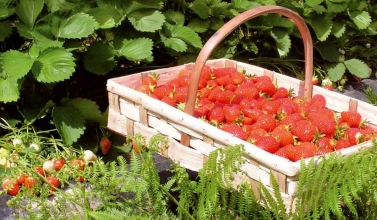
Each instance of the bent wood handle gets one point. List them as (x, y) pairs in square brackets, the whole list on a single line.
[(226, 30)]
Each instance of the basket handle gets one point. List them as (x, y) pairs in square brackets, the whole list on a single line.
[(226, 30)]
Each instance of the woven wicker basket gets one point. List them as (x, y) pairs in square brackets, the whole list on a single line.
[(192, 140)]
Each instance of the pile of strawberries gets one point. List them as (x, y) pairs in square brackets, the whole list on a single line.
[(256, 110)]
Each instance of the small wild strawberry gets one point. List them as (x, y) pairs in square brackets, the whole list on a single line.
[(105, 145)]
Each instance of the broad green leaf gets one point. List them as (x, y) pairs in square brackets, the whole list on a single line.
[(147, 20), (174, 43), (358, 68), (175, 17), (88, 108), (313, 2), (282, 40), (319, 9), (216, 23), (338, 29), (328, 52), (250, 46), (200, 8), (99, 59), (5, 30), (28, 11), (224, 51), (34, 51), (362, 19), (336, 71), (186, 34), (53, 65), (136, 49), (244, 5), (69, 122), (106, 18), (198, 25), (220, 10), (24, 31), (322, 27), (336, 7), (6, 11), (338, 1), (16, 64), (59, 5), (77, 26), (275, 20), (9, 90), (43, 37)]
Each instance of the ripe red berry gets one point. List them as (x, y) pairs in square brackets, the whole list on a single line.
[(105, 145), (10, 186)]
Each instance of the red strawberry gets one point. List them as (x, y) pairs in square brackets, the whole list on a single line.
[(231, 87), (220, 72), (225, 97), (352, 118), (237, 77), (180, 94), (202, 83), (280, 93), (353, 135), (328, 87), (283, 151), (304, 131), (235, 130), (314, 80), (267, 143), (216, 116), (283, 136), (174, 83), (150, 80), (252, 113), (318, 101), (267, 122), (144, 89), (224, 80), (212, 84), (286, 108), (265, 85), (204, 93), (184, 80), (291, 120), (201, 111), (302, 151), (250, 92), (322, 151), (214, 93), (169, 100), (326, 142), (105, 145), (10, 186), (271, 107), (232, 113), (163, 90), (342, 143), (256, 133), (206, 73), (247, 120), (325, 126)]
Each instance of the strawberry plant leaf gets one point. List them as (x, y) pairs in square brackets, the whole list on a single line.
[(328, 52), (56, 5), (198, 25), (136, 49), (9, 90), (43, 37), (243, 5), (99, 59), (336, 71), (338, 29), (69, 122), (147, 20), (33, 113), (358, 68), (282, 40), (88, 108), (24, 31), (106, 17), (77, 26), (187, 35), (336, 7), (53, 65), (174, 43), (175, 17), (5, 30), (28, 11), (16, 64), (6, 11), (322, 27), (200, 8), (313, 2), (362, 19)]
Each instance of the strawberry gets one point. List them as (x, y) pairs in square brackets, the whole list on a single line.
[(283, 151), (342, 143), (318, 101), (184, 80), (352, 118), (304, 131), (214, 93), (322, 151), (169, 100), (10, 186), (202, 83), (247, 92), (225, 97), (271, 107), (180, 94), (252, 113), (290, 120), (314, 80), (247, 120), (144, 89), (328, 87), (237, 77), (267, 122), (259, 132), (280, 93), (232, 113), (246, 103), (216, 116), (302, 151), (201, 111), (302, 107), (231, 87), (220, 72), (206, 73), (174, 83), (212, 84), (163, 90), (105, 145), (326, 142), (325, 125), (235, 130), (224, 80), (353, 135), (265, 85), (267, 143), (283, 136), (150, 80), (204, 93), (286, 108), (53, 181)]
